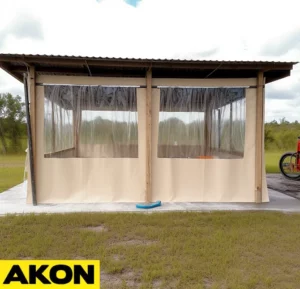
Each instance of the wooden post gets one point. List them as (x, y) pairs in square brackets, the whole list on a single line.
[(259, 137), (148, 197)]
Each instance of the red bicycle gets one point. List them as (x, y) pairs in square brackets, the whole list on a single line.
[(289, 164)]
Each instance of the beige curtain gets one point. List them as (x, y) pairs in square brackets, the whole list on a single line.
[(92, 179)]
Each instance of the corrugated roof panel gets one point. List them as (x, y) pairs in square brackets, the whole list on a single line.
[(145, 59)]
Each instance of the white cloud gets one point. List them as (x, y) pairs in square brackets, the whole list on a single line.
[(10, 84), (22, 27), (189, 29)]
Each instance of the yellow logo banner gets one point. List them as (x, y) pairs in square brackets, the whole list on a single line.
[(54, 274)]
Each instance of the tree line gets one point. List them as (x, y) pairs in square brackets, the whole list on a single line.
[(281, 135), (12, 124)]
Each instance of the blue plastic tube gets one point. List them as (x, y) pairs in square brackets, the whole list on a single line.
[(148, 206)]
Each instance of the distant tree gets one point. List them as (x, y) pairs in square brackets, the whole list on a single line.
[(283, 121), (274, 122), (12, 121)]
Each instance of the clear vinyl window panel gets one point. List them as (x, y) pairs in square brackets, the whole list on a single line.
[(202, 123), (90, 122), (58, 127)]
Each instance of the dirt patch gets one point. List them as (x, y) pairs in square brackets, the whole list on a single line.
[(97, 229), (173, 284), (117, 257), (157, 284), (131, 279), (207, 283), (134, 242), (79, 258)]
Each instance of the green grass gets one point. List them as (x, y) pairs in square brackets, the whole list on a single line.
[(272, 161), (239, 250), (11, 171)]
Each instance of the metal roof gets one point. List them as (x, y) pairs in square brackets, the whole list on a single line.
[(17, 64)]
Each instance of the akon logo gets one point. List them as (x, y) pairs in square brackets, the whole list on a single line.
[(68, 274), (37, 273)]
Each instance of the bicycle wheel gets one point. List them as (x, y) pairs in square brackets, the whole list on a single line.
[(288, 166)]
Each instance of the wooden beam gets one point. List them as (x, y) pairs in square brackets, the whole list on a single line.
[(148, 197), (259, 137)]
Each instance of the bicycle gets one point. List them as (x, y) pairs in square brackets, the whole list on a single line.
[(289, 164)]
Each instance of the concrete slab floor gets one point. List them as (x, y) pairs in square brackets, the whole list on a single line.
[(279, 183), (13, 201)]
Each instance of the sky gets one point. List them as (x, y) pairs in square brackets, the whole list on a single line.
[(183, 29)]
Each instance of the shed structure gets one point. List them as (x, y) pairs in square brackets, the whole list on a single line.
[(135, 130)]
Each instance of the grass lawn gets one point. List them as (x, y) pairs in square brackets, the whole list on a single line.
[(11, 171), (272, 161), (223, 250)]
